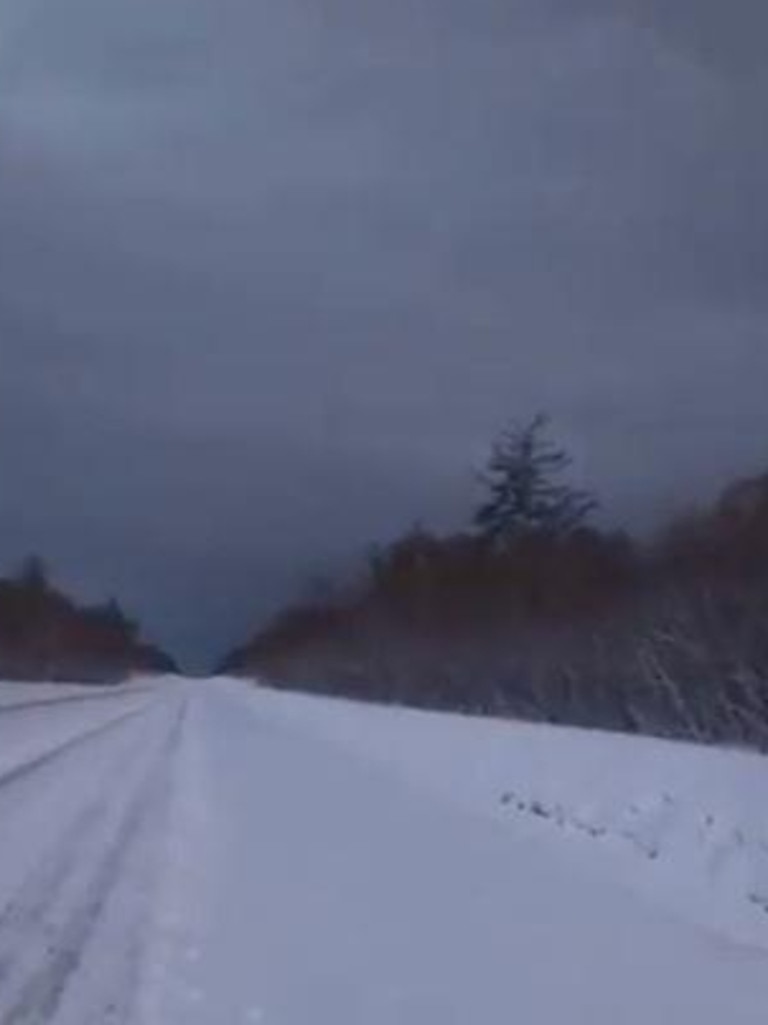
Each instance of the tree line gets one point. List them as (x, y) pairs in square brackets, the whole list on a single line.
[(45, 635), (532, 611)]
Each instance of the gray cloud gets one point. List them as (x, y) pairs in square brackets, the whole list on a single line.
[(725, 37), (271, 275)]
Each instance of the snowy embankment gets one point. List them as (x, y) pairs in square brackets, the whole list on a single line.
[(210, 853), (685, 824)]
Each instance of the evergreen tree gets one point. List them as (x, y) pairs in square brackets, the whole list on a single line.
[(33, 575), (526, 494)]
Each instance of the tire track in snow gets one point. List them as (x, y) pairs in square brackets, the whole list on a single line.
[(97, 696), (45, 939), (22, 920), (39, 761), (108, 988), (22, 916)]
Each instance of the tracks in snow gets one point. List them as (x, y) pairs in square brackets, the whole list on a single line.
[(73, 926), (113, 694), (18, 772)]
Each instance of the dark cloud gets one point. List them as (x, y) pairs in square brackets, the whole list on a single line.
[(271, 274), (727, 37)]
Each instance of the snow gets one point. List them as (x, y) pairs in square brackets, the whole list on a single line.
[(30, 733), (210, 853), (686, 825)]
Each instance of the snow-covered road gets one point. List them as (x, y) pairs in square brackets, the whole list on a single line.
[(191, 853)]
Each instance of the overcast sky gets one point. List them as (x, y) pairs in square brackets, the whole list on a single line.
[(273, 273)]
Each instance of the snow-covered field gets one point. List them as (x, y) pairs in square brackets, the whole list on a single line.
[(207, 853)]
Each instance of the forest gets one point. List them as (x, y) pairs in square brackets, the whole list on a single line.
[(534, 611)]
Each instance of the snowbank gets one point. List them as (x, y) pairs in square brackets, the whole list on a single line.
[(683, 824)]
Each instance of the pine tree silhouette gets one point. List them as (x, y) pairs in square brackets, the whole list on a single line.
[(526, 494)]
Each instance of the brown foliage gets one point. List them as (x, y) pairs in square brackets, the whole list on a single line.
[(584, 628), (44, 635)]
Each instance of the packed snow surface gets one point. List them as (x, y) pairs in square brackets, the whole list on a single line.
[(210, 853)]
